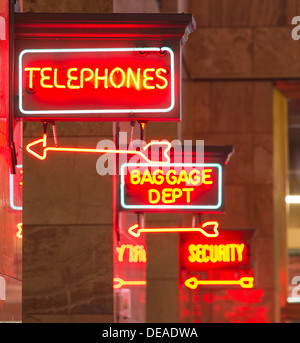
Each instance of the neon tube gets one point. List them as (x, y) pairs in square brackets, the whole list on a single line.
[(43, 155), (136, 231), (11, 191), (118, 283), (19, 234), (244, 282)]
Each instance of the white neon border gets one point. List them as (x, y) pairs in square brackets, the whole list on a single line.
[(28, 51), (11, 191), (196, 207)]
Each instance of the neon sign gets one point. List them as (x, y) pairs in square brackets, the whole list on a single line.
[(132, 253), (119, 282), (244, 282), (184, 186), (136, 231), (103, 83), (229, 250), (204, 253), (33, 147)]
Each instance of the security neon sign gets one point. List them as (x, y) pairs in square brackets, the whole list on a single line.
[(174, 186), (214, 253), (108, 83), (229, 250)]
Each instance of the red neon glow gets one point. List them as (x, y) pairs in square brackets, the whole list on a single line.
[(238, 295), (118, 283), (136, 231), (19, 234), (43, 142), (244, 282)]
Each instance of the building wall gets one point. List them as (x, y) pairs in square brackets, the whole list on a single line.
[(10, 200)]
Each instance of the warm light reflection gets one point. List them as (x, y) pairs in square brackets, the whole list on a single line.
[(292, 199)]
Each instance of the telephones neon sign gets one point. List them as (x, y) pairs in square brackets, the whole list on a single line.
[(136, 231), (135, 82), (173, 186)]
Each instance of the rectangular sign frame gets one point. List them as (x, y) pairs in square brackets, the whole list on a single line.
[(215, 208), (130, 111)]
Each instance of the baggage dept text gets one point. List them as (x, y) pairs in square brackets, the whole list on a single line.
[(174, 186)]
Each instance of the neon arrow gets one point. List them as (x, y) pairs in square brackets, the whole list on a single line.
[(244, 282), (118, 283), (43, 143), (136, 231)]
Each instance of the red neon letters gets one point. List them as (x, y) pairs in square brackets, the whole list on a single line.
[(75, 78)]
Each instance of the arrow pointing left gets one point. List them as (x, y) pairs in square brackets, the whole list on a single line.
[(33, 147), (136, 231)]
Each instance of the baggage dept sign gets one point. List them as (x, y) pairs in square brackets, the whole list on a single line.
[(104, 83), (175, 186)]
